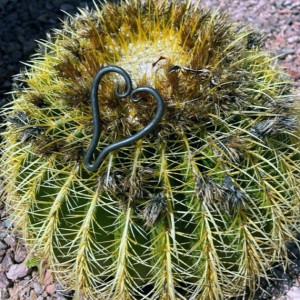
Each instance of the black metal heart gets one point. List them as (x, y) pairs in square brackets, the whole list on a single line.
[(93, 166)]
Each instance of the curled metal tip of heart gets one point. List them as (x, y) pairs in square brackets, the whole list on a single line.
[(129, 91)]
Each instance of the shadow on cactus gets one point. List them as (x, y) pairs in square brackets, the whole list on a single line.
[(197, 208)]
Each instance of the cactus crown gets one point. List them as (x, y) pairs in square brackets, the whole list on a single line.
[(194, 210)]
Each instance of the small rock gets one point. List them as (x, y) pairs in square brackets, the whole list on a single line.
[(287, 2), (293, 39), (21, 39), (295, 5), (7, 261), (47, 278), (20, 255), (3, 245), (29, 46), (17, 271), (37, 288), (9, 240), (2, 253), (57, 3), (67, 7), (24, 16), (44, 294), (289, 58), (294, 72), (50, 289), (284, 11), (24, 290), (33, 295), (11, 47), (49, 6), (4, 295), (43, 18), (40, 298), (13, 16), (6, 84), (4, 283), (11, 67), (2, 229), (3, 3), (283, 53), (294, 293), (61, 292), (17, 55)]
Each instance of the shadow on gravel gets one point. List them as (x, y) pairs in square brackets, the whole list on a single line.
[(22, 22)]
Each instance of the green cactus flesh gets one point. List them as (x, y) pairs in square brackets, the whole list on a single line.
[(196, 209)]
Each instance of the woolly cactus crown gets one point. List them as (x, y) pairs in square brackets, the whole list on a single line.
[(194, 210)]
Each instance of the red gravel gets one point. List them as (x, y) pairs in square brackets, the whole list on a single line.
[(279, 20)]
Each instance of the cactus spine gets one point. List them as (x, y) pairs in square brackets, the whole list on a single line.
[(197, 208)]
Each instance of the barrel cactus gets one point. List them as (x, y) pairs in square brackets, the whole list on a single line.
[(197, 208)]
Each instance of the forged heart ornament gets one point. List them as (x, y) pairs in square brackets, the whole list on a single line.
[(93, 166)]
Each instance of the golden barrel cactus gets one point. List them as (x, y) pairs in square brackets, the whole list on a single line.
[(195, 209)]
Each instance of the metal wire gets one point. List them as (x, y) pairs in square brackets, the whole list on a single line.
[(93, 166)]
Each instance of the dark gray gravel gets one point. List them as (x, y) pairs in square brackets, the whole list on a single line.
[(22, 22)]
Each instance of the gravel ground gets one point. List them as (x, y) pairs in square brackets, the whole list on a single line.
[(24, 21), (278, 20)]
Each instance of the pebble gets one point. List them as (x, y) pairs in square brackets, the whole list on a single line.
[(44, 294), (9, 240), (20, 255), (3, 245), (6, 223), (294, 293), (6, 84), (283, 53), (50, 289), (289, 58), (29, 46), (293, 71), (47, 278), (295, 5), (48, 6), (293, 39), (17, 55), (67, 7), (37, 288), (287, 3), (17, 271), (2, 253), (33, 295), (4, 283), (7, 261), (24, 292), (44, 18), (4, 294)]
